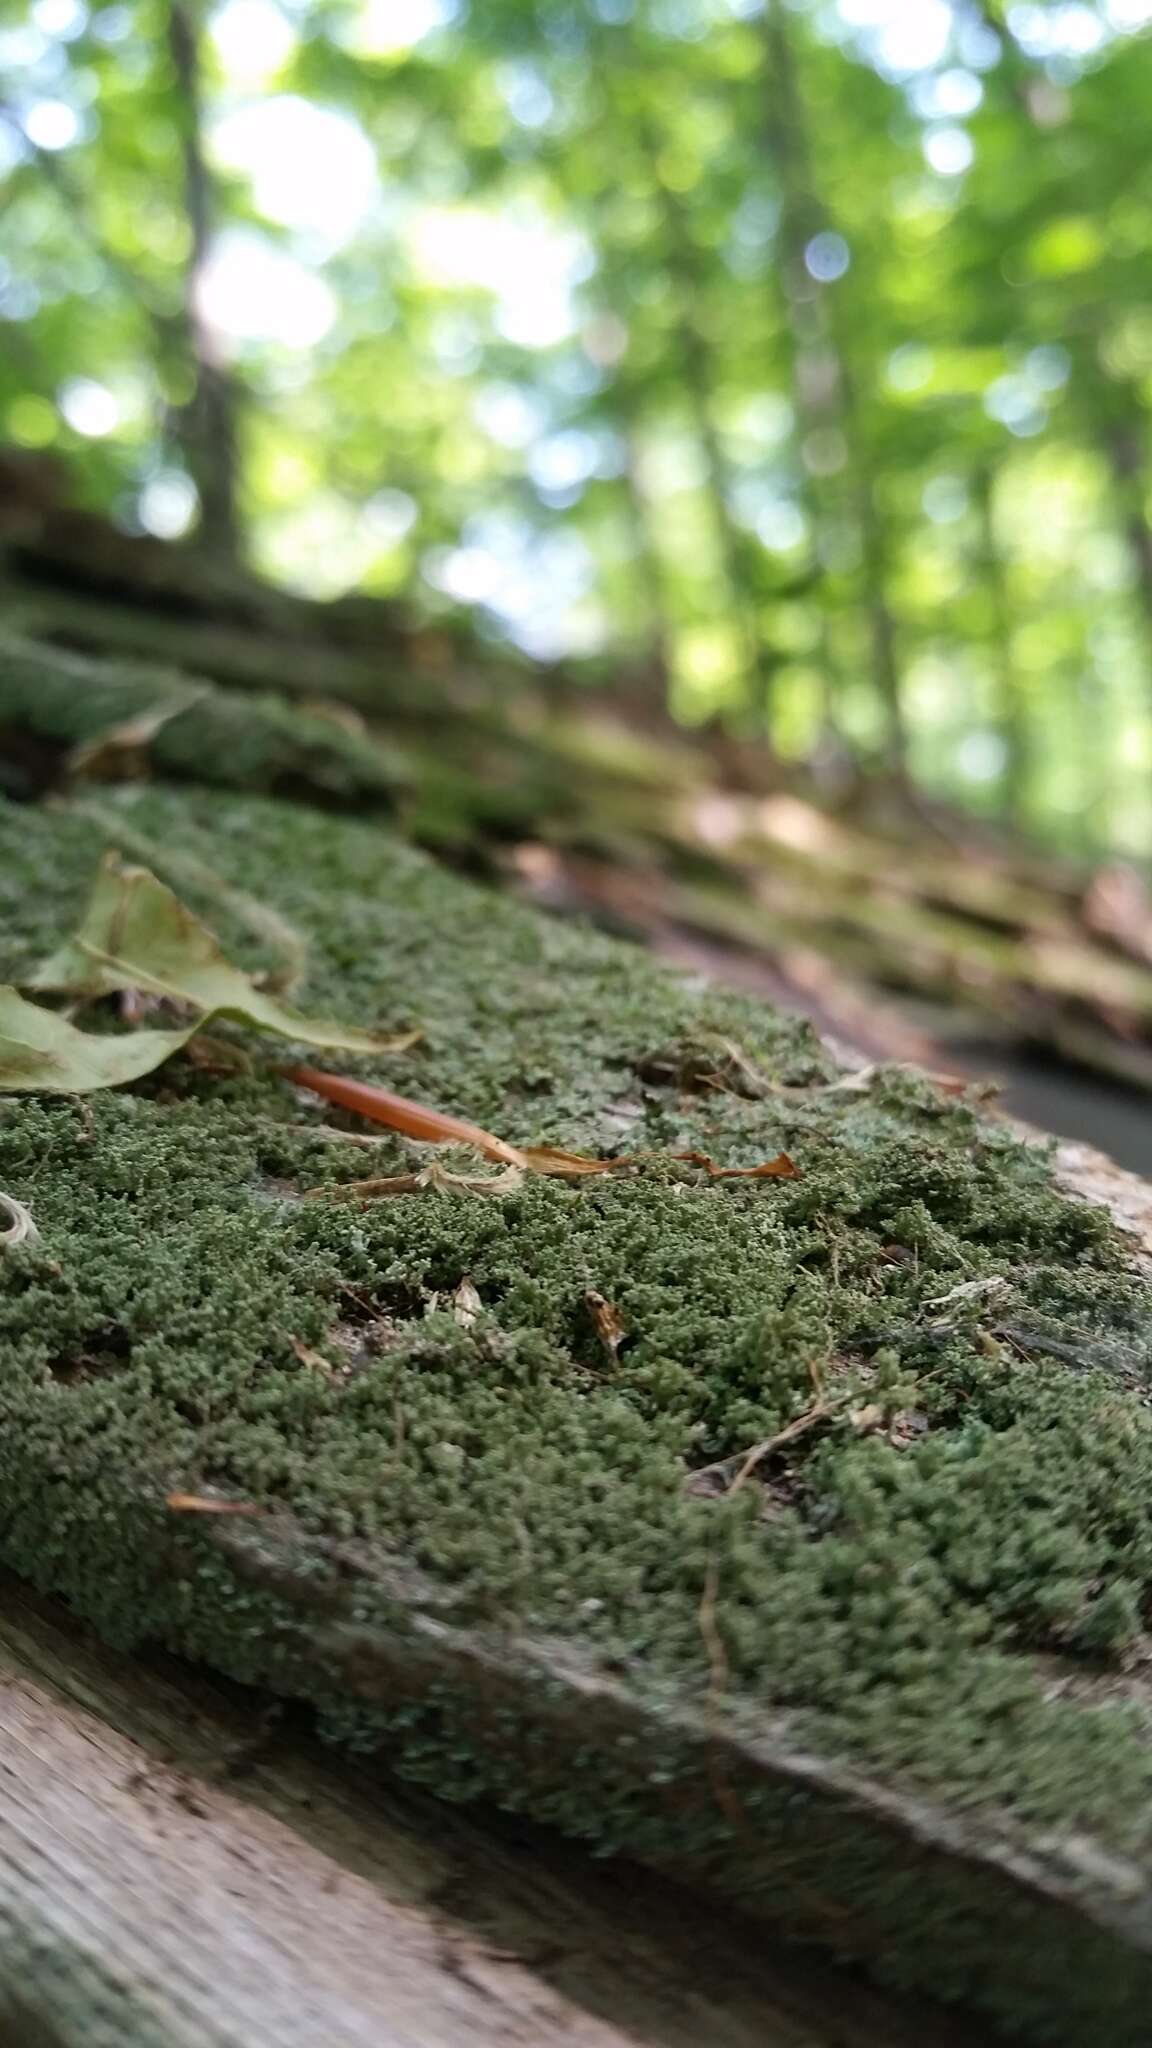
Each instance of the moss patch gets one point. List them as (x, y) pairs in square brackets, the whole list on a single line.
[(947, 1576)]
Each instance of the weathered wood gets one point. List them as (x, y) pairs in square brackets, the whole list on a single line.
[(165, 1882)]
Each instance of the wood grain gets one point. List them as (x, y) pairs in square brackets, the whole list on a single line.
[(163, 1881)]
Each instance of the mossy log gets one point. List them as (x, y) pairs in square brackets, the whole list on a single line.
[(880, 1683), (64, 718), (493, 751)]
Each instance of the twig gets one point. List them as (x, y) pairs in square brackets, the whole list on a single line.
[(733, 1472)]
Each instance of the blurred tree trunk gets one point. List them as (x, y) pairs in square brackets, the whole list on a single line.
[(649, 571), (205, 422), (1125, 448), (1011, 708), (734, 549), (656, 606), (821, 380)]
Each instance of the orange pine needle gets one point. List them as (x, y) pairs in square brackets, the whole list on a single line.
[(436, 1127)]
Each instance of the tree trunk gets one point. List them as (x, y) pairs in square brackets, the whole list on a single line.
[(1124, 446), (1011, 708), (206, 422), (821, 379)]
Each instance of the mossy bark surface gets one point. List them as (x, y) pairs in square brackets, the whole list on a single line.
[(888, 1687)]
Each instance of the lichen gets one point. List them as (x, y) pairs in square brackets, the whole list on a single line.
[(970, 1511)]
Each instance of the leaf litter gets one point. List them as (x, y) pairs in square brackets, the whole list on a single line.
[(136, 938)]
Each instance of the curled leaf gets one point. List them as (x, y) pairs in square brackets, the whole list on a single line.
[(136, 934), (21, 1228), (559, 1165)]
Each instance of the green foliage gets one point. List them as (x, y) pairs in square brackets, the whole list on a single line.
[(797, 351)]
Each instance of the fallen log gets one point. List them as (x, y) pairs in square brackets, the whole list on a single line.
[(885, 1692)]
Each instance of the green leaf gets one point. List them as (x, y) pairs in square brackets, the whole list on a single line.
[(41, 1053), (135, 934)]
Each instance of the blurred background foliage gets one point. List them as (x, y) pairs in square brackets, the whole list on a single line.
[(796, 358)]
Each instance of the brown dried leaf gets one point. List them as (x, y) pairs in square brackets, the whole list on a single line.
[(607, 1320), (781, 1168)]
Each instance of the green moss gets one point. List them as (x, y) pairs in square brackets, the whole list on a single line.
[(905, 1594), (250, 742)]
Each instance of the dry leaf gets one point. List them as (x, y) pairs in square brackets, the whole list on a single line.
[(559, 1165), (41, 1053), (136, 934), (466, 1304), (208, 1504), (607, 1319), (782, 1167)]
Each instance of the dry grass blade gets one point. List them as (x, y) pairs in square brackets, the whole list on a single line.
[(728, 1475), (412, 1119), (208, 1504), (432, 1178)]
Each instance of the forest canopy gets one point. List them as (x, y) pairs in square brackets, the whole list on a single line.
[(798, 356)]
